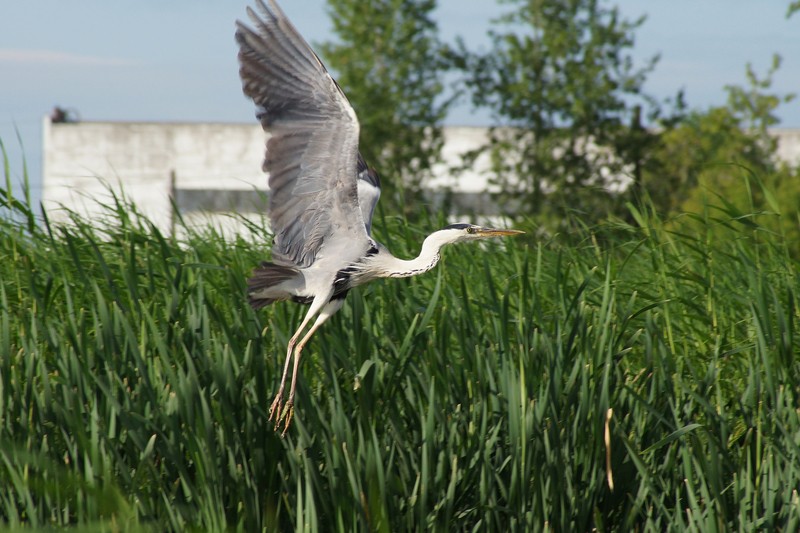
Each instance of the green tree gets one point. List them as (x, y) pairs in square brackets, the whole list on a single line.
[(725, 156), (755, 107), (388, 61), (563, 90), (708, 150)]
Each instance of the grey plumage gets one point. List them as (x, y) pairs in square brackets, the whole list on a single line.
[(322, 192), (267, 275), (312, 151)]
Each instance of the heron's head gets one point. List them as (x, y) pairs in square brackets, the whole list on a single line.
[(470, 232)]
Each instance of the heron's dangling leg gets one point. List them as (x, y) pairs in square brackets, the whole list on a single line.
[(327, 311), (276, 410)]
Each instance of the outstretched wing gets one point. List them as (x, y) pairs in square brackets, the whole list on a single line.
[(312, 152)]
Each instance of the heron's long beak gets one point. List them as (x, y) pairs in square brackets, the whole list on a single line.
[(490, 232)]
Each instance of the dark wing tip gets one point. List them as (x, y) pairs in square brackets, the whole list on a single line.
[(367, 173)]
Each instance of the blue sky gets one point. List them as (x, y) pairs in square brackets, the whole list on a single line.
[(176, 60)]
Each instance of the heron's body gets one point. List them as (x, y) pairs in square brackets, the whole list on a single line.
[(322, 193)]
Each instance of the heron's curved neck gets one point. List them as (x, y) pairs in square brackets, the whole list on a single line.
[(394, 267)]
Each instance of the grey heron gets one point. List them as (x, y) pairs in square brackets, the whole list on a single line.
[(322, 193)]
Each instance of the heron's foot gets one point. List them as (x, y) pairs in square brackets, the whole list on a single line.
[(281, 413), (288, 414), (275, 410)]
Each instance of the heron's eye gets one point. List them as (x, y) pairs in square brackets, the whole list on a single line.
[(470, 230)]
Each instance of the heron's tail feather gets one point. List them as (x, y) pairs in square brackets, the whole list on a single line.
[(265, 277)]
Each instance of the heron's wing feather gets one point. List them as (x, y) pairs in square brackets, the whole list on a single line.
[(369, 191), (312, 151)]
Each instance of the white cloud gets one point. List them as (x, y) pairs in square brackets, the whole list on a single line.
[(56, 58)]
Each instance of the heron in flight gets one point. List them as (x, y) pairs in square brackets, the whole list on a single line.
[(322, 193)]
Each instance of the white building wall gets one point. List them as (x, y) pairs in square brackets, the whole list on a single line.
[(788, 145), (82, 160), (459, 140)]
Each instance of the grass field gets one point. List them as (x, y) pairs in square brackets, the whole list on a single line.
[(134, 383)]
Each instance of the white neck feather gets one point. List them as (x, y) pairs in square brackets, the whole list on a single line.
[(388, 266)]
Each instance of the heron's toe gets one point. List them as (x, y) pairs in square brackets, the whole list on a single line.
[(275, 410), (289, 414)]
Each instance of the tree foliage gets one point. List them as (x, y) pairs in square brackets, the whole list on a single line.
[(793, 8), (755, 107), (388, 62), (563, 90), (573, 129), (727, 156)]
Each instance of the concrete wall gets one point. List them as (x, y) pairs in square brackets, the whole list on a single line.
[(788, 145), (211, 169), (82, 160), (216, 168)]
